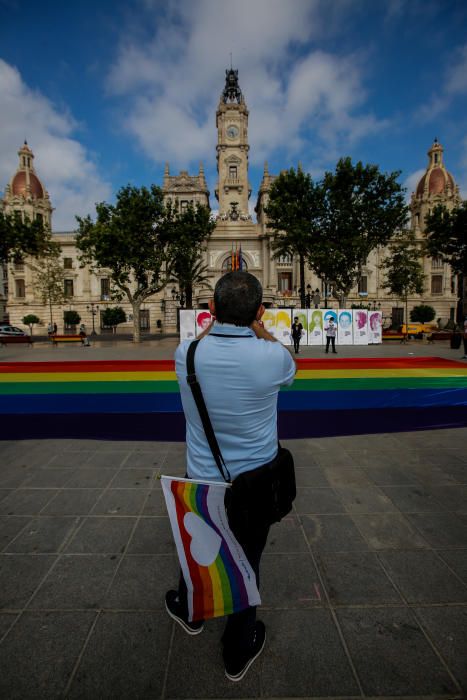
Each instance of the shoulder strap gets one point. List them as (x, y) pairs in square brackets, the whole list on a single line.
[(193, 383)]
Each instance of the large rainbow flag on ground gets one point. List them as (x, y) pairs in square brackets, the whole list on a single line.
[(219, 578), (140, 399)]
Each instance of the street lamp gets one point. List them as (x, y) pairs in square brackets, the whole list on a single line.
[(93, 308), (375, 306)]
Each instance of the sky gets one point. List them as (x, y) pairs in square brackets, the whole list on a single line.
[(105, 92)]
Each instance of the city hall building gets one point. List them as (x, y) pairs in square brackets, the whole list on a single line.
[(89, 293)]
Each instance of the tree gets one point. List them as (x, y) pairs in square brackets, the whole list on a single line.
[(363, 210), (446, 237), (127, 239), (30, 320), (404, 271), (422, 313), (49, 277), (112, 316), (19, 236), (71, 317), (186, 234), (294, 214)]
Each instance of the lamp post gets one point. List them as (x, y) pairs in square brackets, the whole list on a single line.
[(93, 308), (308, 296), (376, 306), (180, 297)]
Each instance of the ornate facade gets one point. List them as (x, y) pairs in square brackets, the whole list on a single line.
[(235, 230)]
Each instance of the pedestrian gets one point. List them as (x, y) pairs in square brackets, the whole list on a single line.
[(297, 330), (465, 339), (50, 329), (240, 367), (331, 335), (55, 328)]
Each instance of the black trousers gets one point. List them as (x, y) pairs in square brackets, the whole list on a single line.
[(330, 340), (239, 630), (296, 343)]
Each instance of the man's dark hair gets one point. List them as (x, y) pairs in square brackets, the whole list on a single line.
[(237, 298)]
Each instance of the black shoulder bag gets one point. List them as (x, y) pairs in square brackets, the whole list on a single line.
[(259, 497)]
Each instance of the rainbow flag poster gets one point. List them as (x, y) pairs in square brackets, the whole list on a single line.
[(219, 577)]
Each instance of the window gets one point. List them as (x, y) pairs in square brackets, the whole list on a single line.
[(105, 289), (437, 284), (436, 263), (20, 289), (285, 281), (68, 288), (233, 172), (285, 259), (19, 265), (436, 158), (68, 263), (144, 322), (184, 204), (39, 218), (363, 285)]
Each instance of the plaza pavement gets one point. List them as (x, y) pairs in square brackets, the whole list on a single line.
[(364, 585)]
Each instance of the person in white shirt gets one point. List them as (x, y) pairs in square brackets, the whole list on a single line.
[(331, 331)]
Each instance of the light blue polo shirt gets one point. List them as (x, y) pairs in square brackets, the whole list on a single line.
[(240, 379)]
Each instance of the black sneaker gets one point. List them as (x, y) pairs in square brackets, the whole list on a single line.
[(172, 605), (237, 669)]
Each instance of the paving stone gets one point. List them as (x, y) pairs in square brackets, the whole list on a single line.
[(20, 574), (6, 621), (304, 656), (286, 536), (102, 535), (155, 503), (38, 655), (152, 536), (77, 581), (364, 499), (456, 472), (111, 459), (388, 531), (91, 478), (144, 460), (334, 459), (321, 500), (440, 529), (49, 478), (335, 533), (4, 493), (43, 535), (120, 502), (26, 501), (374, 459), (346, 476), (133, 649), (310, 476), (134, 479), (453, 498), (430, 475), (390, 476), (423, 577), (304, 460), (447, 628), (391, 654), (72, 502), (12, 477), (71, 459), (141, 583), (413, 499), (457, 560), (289, 581), (356, 578), (10, 526)]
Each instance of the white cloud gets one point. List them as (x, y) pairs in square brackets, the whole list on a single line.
[(64, 166), (453, 84), (411, 182), (170, 83)]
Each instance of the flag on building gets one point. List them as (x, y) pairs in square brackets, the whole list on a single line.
[(240, 262), (219, 577)]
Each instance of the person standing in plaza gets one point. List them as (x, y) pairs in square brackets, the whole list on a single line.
[(297, 330), (465, 339), (331, 331), (240, 367)]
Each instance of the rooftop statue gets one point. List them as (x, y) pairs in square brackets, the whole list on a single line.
[(232, 92)]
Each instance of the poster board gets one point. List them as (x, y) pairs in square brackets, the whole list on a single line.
[(360, 327), (279, 322), (375, 327), (315, 327), (345, 328), (302, 318), (187, 324), (203, 319)]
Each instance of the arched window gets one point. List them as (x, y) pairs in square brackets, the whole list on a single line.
[(227, 264)]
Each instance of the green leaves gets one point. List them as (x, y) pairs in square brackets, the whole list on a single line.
[(20, 237), (404, 271), (446, 233)]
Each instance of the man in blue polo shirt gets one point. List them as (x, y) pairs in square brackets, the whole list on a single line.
[(240, 368)]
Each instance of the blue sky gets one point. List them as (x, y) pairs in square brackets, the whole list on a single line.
[(106, 92)]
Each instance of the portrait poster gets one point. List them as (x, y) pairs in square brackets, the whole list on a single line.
[(278, 322), (315, 327), (375, 327), (187, 324), (360, 327), (327, 315), (302, 318), (203, 319), (344, 324)]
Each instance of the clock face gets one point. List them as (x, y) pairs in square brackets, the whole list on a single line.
[(232, 131)]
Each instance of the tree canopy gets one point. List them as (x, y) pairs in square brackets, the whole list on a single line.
[(19, 236), (130, 240), (446, 236)]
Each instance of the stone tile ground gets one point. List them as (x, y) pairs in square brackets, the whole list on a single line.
[(364, 584)]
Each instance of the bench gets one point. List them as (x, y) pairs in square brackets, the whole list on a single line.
[(13, 339), (56, 339)]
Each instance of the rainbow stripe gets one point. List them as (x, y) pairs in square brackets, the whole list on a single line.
[(141, 400)]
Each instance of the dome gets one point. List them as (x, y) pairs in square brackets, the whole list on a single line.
[(438, 180), (19, 184)]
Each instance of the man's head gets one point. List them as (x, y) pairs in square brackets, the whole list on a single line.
[(295, 319), (237, 298)]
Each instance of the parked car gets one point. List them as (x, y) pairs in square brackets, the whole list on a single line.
[(6, 329)]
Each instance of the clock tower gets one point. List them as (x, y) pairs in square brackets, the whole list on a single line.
[(233, 189)]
